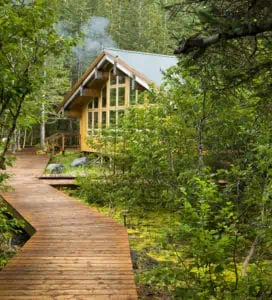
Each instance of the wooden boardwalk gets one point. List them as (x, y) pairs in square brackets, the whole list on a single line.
[(76, 252)]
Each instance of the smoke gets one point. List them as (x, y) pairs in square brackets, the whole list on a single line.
[(95, 38)]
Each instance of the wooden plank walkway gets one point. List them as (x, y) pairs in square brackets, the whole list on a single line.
[(76, 252)]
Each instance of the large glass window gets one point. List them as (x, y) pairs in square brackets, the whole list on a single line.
[(104, 97), (90, 122), (136, 95), (121, 96), (108, 109), (113, 118), (117, 89), (116, 116), (121, 79), (113, 78), (103, 119), (90, 105), (95, 122), (113, 96)]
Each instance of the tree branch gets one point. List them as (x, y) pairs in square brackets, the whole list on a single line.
[(204, 42)]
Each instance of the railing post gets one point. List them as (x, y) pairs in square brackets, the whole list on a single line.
[(63, 143)]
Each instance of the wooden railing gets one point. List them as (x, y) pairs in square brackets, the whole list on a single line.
[(61, 141)]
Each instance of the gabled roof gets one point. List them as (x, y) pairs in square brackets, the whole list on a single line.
[(150, 64), (147, 68)]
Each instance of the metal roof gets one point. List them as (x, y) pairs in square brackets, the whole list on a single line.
[(150, 64), (147, 67)]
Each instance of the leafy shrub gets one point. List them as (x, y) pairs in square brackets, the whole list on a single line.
[(9, 228)]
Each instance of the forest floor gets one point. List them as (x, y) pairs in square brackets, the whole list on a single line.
[(145, 228)]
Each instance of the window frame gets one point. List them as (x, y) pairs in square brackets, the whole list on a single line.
[(93, 131), (117, 86), (137, 95), (104, 112)]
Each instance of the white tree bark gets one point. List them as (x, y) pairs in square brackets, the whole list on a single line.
[(248, 258), (31, 138), (19, 140), (14, 146), (42, 128), (24, 142)]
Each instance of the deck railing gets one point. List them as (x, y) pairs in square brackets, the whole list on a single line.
[(60, 141)]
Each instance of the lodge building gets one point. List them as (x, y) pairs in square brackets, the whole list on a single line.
[(115, 81)]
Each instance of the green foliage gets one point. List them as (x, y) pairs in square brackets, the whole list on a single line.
[(204, 157), (28, 39), (202, 153), (9, 227)]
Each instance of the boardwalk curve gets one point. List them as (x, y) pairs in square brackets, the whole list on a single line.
[(76, 252)]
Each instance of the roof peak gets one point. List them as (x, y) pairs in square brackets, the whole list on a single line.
[(138, 52)]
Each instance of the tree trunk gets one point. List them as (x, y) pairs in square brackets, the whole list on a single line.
[(42, 128), (249, 256), (15, 116), (200, 129), (3, 131), (19, 140), (24, 142), (31, 138), (14, 146)]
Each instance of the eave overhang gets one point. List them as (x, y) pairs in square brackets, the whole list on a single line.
[(92, 74)]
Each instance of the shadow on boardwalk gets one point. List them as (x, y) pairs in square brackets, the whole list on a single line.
[(76, 252)]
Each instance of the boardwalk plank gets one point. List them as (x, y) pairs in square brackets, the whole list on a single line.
[(76, 253)]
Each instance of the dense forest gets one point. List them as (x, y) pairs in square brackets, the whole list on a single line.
[(198, 161)]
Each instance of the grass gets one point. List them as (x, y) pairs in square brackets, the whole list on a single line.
[(92, 169)]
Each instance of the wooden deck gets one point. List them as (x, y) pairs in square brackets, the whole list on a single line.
[(76, 252)]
